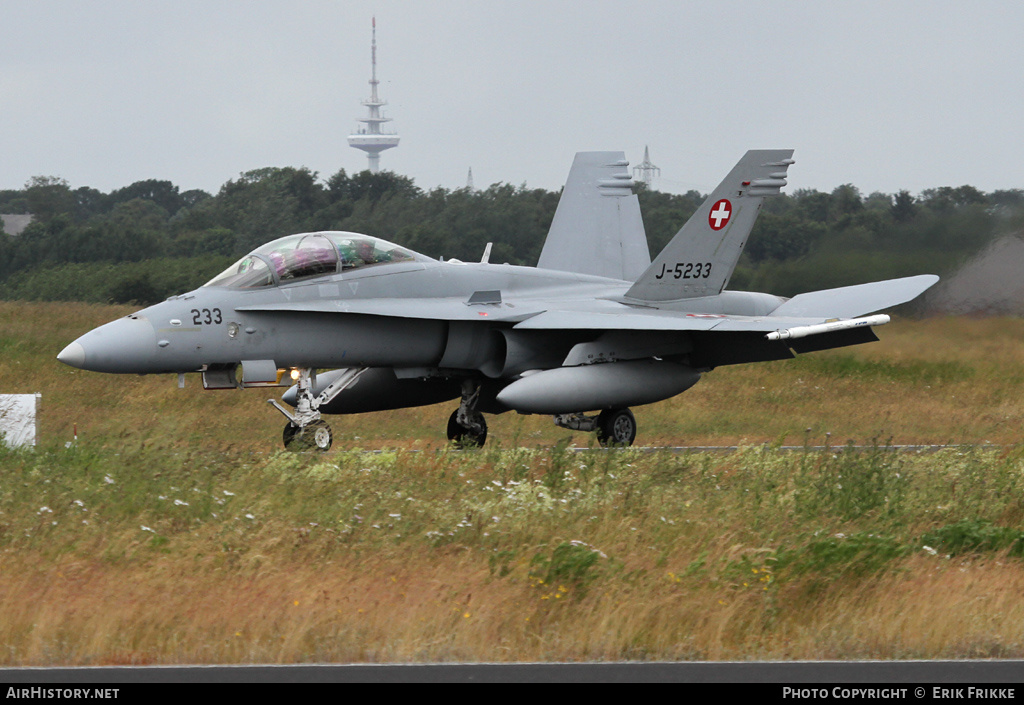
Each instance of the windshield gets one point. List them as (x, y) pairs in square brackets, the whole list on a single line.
[(248, 273), (310, 255)]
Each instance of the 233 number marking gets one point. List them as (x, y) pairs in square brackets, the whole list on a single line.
[(685, 270), (206, 316)]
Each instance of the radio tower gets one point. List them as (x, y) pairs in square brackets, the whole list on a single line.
[(370, 139), (647, 170)]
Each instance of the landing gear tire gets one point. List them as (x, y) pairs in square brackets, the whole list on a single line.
[(462, 437), (315, 436), (616, 428)]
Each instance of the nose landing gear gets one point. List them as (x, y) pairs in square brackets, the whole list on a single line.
[(305, 429)]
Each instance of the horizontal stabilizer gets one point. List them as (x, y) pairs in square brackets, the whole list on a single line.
[(850, 301)]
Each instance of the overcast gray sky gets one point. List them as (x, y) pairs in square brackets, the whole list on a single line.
[(885, 95)]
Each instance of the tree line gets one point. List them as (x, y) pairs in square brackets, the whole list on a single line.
[(149, 240)]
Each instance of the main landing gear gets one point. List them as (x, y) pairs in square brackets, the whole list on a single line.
[(467, 427), (614, 427), (305, 429)]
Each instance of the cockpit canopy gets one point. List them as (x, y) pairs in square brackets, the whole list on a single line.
[(310, 255)]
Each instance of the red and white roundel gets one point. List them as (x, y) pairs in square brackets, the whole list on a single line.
[(720, 214)]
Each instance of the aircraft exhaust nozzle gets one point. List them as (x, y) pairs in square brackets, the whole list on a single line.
[(609, 385)]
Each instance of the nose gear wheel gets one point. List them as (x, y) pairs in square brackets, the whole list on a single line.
[(313, 436)]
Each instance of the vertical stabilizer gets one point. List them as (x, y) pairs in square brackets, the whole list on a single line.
[(597, 228), (700, 259)]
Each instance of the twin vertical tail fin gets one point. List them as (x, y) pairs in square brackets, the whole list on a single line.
[(700, 259), (597, 228)]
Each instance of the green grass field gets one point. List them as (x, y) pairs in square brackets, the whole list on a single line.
[(174, 531)]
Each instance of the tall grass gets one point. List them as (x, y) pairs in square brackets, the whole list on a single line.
[(154, 555)]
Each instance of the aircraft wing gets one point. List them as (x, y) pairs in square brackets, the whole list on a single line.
[(529, 315), (540, 315), (849, 301), (623, 320), (809, 309), (666, 321), (708, 340)]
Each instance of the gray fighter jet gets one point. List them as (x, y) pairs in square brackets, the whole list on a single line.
[(595, 327)]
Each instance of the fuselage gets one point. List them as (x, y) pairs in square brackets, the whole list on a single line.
[(210, 326)]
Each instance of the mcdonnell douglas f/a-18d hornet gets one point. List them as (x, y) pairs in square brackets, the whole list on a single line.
[(596, 326)]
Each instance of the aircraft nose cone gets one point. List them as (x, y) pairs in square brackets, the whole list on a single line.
[(127, 345), (73, 355)]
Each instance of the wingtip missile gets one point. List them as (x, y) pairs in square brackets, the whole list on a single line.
[(831, 327)]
